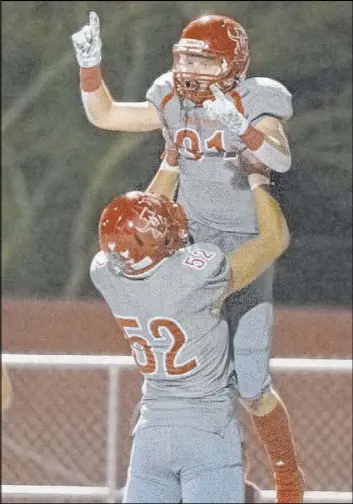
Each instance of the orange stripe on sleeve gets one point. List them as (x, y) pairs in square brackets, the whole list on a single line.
[(167, 98), (237, 101)]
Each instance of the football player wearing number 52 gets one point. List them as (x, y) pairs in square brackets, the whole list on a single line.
[(166, 296)]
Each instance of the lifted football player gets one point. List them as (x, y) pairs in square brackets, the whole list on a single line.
[(221, 121)]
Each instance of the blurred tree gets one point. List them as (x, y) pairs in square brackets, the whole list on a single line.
[(58, 171)]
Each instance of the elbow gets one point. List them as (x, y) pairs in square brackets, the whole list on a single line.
[(276, 244), (92, 121), (98, 124), (101, 122)]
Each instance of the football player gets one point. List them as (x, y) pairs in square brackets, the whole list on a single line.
[(166, 296), (221, 121)]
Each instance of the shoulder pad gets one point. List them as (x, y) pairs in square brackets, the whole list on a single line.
[(271, 83), (161, 87), (165, 79), (160, 92), (263, 96)]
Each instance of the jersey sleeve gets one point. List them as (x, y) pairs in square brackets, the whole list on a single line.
[(219, 284), (97, 269), (211, 270), (266, 97), (160, 92), (101, 278)]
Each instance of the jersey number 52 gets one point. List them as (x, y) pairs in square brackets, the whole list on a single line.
[(157, 328)]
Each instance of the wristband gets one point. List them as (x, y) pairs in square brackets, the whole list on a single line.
[(90, 79), (256, 141)]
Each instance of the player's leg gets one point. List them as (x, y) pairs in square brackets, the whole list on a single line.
[(150, 475), (222, 484), (211, 469), (272, 423), (252, 492), (250, 315)]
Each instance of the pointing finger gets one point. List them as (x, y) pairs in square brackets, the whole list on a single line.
[(217, 92), (94, 25)]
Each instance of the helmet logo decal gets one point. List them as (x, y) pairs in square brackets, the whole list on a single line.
[(153, 222), (240, 39)]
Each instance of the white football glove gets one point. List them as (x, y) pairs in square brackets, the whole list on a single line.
[(224, 111), (88, 44)]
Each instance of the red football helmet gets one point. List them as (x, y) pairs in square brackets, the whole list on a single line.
[(137, 230), (212, 39)]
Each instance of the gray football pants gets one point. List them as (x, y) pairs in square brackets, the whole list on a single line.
[(249, 313), (173, 464)]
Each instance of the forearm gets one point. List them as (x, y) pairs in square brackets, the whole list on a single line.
[(105, 113), (255, 256), (96, 98), (269, 147), (165, 181)]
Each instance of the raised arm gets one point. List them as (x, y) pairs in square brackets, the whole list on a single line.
[(101, 110)]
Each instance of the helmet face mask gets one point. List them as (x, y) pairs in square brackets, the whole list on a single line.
[(138, 230), (208, 66), (194, 73), (219, 47)]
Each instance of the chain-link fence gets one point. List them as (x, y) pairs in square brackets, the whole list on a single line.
[(55, 433)]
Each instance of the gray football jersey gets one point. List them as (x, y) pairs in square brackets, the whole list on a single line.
[(213, 187), (180, 344)]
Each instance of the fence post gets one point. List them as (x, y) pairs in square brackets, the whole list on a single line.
[(112, 427)]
